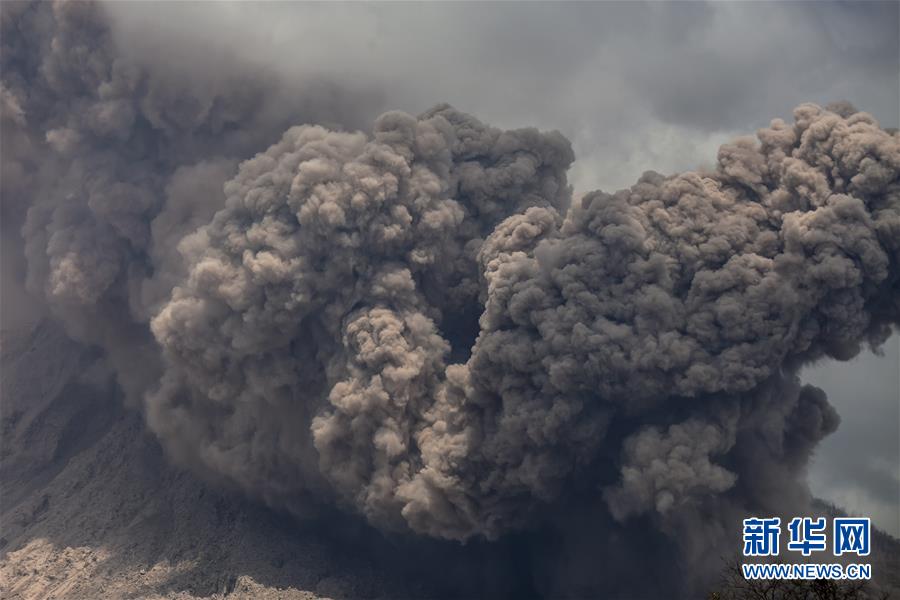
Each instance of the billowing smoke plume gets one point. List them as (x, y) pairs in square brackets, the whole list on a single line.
[(115, 160), (422, 324), (307, 335), (312, 320)]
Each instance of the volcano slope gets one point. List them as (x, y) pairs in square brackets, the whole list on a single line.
[(91, 509)]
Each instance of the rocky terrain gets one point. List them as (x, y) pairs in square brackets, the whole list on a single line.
[(91, 509)]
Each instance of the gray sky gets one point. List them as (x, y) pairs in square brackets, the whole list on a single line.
[(857, 466), (634, 86)]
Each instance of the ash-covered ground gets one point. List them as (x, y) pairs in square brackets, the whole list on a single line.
[(91, 508)]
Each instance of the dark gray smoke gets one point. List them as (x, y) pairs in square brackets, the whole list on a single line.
[(114, 160), (306, 338), (312, 320), (421, 324)]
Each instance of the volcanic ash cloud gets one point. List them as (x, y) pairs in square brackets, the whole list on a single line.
[(422, 325), (307, 348)]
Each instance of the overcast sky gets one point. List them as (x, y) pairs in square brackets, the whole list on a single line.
[(634, 86)]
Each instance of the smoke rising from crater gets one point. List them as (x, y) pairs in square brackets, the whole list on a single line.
[(422, 324)]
